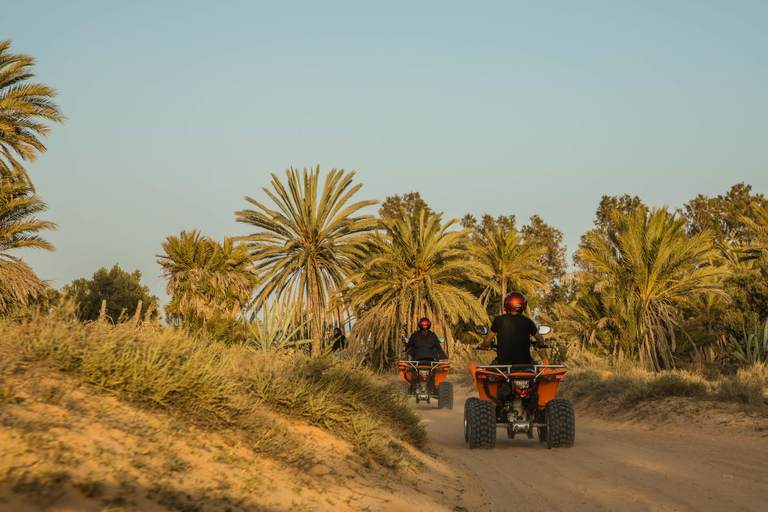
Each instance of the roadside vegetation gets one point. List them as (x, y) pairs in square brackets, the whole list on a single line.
[(214, 386), (661, 303)]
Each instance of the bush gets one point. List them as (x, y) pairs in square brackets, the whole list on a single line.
[(215, 386), (748, 386)]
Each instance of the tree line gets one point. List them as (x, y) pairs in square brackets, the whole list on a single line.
[(658, 286)]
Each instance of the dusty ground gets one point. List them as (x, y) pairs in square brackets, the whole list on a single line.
[(64, 448), (653, 459)]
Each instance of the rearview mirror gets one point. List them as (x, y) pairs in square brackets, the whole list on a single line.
[(544, 329), (405, 340), (481, 329), (441, 340)]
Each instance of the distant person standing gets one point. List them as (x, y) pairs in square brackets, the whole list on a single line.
[(339, 340)]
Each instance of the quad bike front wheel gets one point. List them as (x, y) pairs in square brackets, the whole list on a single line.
[(403, 389), (482, 425), (561, 424), (445, 395)]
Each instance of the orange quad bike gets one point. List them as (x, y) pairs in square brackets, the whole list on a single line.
[(426, 380), (519, 399)]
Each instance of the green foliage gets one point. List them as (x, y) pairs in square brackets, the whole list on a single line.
[(306, 248), (210, 284), (121, 290), (412, 271), (552, 258), (754, 347), (19, 227), (505, 223), (511, 261), (411, 203), (634, 279), (724, 215), (24, 108), (275, 329)]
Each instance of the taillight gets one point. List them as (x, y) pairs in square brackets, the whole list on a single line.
[(523, 392), (424, 374)]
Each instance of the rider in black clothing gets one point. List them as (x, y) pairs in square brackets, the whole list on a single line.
[(514, 331), (424, 345), (339, 340)]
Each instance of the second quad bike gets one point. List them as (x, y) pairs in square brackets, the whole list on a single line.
[(425, 380), (519, 399)]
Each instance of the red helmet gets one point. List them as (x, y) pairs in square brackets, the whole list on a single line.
[(424, 323), (515, 301)]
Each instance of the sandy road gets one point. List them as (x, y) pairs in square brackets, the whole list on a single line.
[(612, 467)]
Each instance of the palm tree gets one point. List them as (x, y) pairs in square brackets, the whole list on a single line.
[(759, 231), (19, 229), (646, 268), (308, 245), (208, 282), (412, 271), (24, 108), (513, 263)]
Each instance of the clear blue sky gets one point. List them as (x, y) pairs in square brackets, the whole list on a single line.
[(176, 110)]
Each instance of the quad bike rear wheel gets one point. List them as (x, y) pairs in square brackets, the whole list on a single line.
[(445, 395), (482, 425), (561, 424), (469, 404), (403, 389)]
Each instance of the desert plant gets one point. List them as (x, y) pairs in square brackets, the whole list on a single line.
[(754, 347), (275, 330)]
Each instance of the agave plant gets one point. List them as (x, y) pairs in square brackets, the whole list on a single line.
[(275, 330), (755, 346)]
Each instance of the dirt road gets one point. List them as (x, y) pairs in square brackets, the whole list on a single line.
[(614, 466)]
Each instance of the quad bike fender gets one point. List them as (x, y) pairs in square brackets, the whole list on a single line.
[(441, 372), (482, 384), (547, 391)]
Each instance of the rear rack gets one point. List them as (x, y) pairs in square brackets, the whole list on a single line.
[(416, 364), (504, 369)]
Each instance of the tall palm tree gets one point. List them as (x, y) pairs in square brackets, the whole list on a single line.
[(513, 263), (307, 245), (412, 271), (24, 108), (648, 266), (207, 281), (19, 229)]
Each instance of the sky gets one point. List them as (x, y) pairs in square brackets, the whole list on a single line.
[(177, 110)]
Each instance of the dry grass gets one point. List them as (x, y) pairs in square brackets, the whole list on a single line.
[(216, 387), (594, 380)]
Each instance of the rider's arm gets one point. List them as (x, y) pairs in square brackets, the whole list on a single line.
[(540, 343), (487, 341)]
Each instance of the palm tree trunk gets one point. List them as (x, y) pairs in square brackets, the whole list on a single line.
[(503, 293)]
